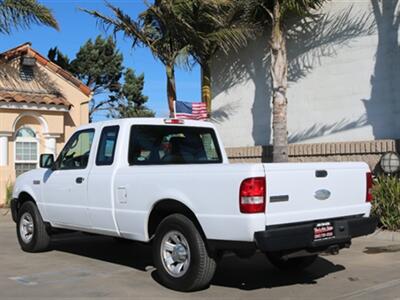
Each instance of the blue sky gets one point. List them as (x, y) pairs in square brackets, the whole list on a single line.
[(77, 27)]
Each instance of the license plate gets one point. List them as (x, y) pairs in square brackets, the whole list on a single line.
[(323, 231)]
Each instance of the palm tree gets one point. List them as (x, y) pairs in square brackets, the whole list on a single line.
[(207, 26), (16, 14), (273, 13), (152, 29)]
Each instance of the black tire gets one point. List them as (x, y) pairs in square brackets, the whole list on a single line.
[(39, 239), (295, 264), (200, 267)]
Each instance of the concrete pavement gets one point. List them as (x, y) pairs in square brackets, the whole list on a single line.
[(81, 266)]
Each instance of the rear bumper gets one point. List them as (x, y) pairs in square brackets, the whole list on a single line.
[(301, 236)]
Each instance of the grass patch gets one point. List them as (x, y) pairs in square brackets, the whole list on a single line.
[(9, 190)]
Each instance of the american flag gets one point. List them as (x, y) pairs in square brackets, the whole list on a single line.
[(191, 110)]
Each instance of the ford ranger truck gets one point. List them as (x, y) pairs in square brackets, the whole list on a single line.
[(168, 182)]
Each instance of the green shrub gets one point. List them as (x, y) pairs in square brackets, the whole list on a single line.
[(9, 190), (386, 203)]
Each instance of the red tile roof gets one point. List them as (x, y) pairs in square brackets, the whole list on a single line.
[(26, 49), (21, 97)]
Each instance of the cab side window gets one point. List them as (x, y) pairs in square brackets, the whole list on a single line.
[(75, 154), (106, 149)]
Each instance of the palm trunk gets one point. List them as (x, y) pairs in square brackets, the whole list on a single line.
[(206, 84), (171, 88), (279, 66)]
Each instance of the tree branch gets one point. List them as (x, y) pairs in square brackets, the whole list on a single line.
[(99, 105)]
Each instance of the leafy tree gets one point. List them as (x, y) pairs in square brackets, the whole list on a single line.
[(151, 30), (15, 14), (131, 101), (56, 56), (273, 14), (97, 64)]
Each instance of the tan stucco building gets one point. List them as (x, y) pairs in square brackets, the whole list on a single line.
[(40, 106)]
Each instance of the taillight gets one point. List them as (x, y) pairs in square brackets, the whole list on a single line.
[(252, 195), (369, 187)]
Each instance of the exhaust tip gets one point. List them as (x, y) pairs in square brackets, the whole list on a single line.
[(333, 250)]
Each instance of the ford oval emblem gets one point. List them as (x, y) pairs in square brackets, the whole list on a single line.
[(322, 194)]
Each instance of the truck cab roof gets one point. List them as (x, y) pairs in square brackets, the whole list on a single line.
[(148, 121)]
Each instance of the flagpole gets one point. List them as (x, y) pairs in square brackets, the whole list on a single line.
[(174, 109)]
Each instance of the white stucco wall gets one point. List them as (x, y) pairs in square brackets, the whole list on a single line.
[(344, 81)]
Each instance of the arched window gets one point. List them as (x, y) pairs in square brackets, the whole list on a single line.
[(26, 150)]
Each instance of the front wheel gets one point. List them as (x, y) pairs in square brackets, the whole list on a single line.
[(180, 255), (31, 230), (291, 264)]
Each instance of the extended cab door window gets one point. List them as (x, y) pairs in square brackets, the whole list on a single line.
[(75, 154), (106, 149), (162, 144)]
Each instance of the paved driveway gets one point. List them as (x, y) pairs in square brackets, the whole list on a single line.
[(82, 266)]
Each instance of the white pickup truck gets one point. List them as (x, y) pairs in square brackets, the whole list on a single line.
[(168, 182)]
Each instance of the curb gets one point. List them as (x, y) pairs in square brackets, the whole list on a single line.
[(385, 235)]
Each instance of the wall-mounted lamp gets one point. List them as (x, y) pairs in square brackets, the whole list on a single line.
[(390, 162)]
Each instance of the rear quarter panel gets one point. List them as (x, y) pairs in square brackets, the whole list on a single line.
[(211, 191)]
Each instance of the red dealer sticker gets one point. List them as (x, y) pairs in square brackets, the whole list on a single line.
[(323, 231)]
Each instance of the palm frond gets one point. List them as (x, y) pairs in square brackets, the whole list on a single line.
[(121, 22), (151, 29), (301, 7), (208, 25), (260, 11), (15, 14), (229, 39)]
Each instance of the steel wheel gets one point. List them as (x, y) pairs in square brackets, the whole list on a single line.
[(31, 230), (175, 253), (180, 255), (26, 228)]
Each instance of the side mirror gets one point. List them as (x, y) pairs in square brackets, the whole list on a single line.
[(46, 161)]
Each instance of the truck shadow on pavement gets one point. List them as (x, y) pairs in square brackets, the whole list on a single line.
[(122, 252), (257, 272), (244, 274)]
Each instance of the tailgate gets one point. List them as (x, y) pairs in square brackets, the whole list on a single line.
[(298, 192)]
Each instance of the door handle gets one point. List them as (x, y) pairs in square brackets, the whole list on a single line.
[(79, 180)]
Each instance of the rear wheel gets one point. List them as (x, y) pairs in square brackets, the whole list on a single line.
[(291, 264), (180, 255), (31, 230)]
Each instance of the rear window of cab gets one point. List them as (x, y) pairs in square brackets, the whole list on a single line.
[(163, 145)]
